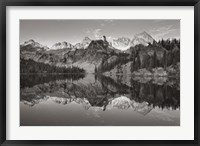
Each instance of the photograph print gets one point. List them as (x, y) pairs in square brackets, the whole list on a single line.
[(99, 72)]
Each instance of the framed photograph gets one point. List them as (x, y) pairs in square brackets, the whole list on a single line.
[(99, 72)]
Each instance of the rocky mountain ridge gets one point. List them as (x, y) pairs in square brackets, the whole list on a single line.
[(124, 43), (98, 56)]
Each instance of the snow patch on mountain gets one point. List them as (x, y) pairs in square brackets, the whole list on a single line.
[(84, 44), (62, 45), (124, 43), (33, 44), (142, 38), (121, 43)]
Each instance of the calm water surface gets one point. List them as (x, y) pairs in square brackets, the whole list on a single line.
[(89, 100)]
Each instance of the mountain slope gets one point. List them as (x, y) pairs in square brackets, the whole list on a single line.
[(124, 43), (121, 43), (100, 56), (62, 45), (32, 46), (142, 38), (84, 44)]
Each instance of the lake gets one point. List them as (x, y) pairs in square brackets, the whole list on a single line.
[(98, 100)]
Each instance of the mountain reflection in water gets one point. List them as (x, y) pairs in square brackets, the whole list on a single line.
[(64, 100)]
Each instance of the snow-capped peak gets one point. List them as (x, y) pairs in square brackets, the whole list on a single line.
[(33, 44), (142, 38), (86, 40), (29, 42), (124, 43), (145, 36), (121, 43), (84, 44), (62, 45)]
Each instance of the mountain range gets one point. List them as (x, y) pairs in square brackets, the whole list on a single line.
[(98, 56), (124, 43), (121, 43)]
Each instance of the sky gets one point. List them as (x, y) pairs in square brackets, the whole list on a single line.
[(49, 32)]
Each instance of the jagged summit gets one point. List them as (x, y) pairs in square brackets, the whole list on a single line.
[(62, 45), (86, 39), (147, 37), (33, 45), (84, 44), (124, 43), (31, 41), (142, 38), (121, 43)]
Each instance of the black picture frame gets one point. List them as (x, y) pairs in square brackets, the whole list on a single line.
[(5, 3)]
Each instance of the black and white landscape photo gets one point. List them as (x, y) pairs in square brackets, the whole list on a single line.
[(99, 72)]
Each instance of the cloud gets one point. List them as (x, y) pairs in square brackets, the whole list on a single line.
[(161, 29), (164, 32), (105, 22), (97, 33), (88, 31)]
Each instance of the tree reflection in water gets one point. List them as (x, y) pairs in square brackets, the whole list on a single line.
[(140, 94)]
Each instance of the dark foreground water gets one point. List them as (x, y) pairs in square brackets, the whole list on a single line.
[(78, 100)]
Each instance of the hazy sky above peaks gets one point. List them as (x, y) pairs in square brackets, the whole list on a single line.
[(49, 32)]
